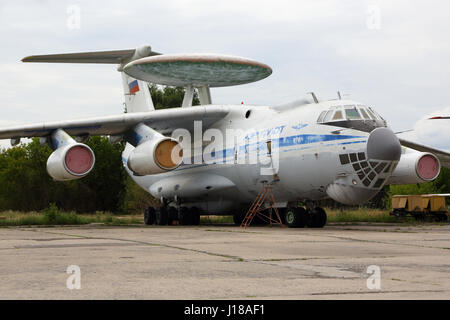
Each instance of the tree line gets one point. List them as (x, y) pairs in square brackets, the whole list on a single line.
[(26, 186)]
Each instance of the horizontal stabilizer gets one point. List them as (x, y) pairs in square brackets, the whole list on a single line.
[(113, 56)]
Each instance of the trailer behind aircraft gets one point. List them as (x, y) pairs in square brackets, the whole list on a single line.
[(421, 206)]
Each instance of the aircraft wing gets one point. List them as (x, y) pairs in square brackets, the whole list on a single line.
[(443, 156), (164, 121)]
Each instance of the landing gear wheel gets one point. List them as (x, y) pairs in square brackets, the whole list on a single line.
[(317, 218), (295, 217), (185, 216), (172, 215), (195, 215), (161, 216), (239, 216), (149, 216)]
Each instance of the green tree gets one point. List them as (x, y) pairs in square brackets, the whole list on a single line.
[(103, 189), (26, 186), (169, 97)]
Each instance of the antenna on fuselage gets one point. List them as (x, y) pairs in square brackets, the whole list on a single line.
[(314, 97)]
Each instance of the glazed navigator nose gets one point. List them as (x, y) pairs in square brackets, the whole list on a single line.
[(383, 144)]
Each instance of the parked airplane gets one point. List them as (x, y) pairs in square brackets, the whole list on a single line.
[(215, 159)]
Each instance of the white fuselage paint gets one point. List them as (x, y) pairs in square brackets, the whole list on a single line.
[(308, 161)]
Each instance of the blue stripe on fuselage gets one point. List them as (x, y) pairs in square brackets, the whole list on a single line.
[(290, 141)]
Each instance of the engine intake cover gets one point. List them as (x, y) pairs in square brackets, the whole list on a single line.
[(416, 167), (69, 162), (155, 156)]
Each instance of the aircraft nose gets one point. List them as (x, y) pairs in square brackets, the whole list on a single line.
[(383, 144)]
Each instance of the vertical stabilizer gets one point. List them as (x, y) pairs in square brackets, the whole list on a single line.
[(137, 95)]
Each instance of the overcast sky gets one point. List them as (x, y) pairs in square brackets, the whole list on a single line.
[(391, 55)]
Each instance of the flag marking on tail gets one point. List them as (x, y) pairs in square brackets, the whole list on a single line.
[(134, 86)]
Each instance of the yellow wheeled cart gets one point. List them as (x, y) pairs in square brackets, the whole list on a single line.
[(421, 206)]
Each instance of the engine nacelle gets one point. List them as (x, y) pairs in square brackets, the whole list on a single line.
[(70, 162), (155, 156), (415, 167)]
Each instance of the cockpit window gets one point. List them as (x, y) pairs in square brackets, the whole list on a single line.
[(352, 113), (371, 115), (364, 114), (376, 114), (328, 116), (338, 115), (322, 115), (352, 116)]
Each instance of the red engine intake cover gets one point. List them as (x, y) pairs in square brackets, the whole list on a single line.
[(79, 160), (427, 167)]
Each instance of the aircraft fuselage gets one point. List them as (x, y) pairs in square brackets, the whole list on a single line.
[(312, 160)]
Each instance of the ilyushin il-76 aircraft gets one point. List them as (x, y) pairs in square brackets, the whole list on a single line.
[(215, 159)]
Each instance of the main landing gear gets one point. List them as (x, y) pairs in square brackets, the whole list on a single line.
[(301, 217), (166, 215)]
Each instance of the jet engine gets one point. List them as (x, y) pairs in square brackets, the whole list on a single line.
[(415, 167), (154, 153), (70, 162)]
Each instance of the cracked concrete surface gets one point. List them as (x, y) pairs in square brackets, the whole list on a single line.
[(225, 262)]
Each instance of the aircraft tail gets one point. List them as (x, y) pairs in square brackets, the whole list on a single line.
[(137, 92), (137, 95)]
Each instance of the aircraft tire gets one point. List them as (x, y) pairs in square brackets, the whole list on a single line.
[(150, 216), (172, 215), (161, 216), (295, 217), (317, 218), (185, 216), (195, 216)]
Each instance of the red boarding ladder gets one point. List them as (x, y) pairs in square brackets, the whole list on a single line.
[(258, 209)]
